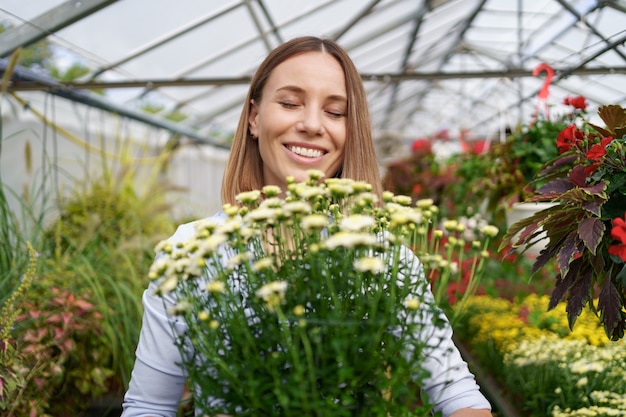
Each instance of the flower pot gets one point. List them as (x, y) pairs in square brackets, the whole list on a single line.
[(519, 211)]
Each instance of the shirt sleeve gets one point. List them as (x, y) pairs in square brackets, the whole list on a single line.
[(450, 385), (157, 381)]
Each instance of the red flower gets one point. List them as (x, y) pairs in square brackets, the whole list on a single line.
[(421, 145), (577, 102), (597, 151), (568, 137), (618, 232)]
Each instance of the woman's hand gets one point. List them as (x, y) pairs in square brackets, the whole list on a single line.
[(471, 412)]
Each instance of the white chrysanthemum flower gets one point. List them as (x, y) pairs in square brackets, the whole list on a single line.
[(273, 293), (207, 247), (309, 192), (261, 214), (350, 240), (412, 303), (164, 246), (402, 217), (387, 196), (489, 230), (273, 202), (271, 190), (315, 174), (239, 259), (216, 287), (271, 288), (340, 190), (248, 197), (231, 225), (168, 284), (314, 222), (403, 200), (366, 198), (179, 308), (369, 264), (424, 203), (297, 207), (230, 210), (362, 186), (187, 267), (262, 264), (356, 223), (159, 267), (450, 225)]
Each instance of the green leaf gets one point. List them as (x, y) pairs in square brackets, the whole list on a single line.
[(591, 230)]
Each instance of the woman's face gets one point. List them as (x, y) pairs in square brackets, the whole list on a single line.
[(300, 122)]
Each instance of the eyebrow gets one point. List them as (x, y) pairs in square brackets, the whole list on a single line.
[(296, 89)]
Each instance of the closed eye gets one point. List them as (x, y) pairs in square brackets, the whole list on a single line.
[(287, 104), (336, 115)]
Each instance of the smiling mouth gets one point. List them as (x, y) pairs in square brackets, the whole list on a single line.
[(306, 152)]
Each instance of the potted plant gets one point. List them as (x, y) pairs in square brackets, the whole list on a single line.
[(586, 229), (297, 322), (517, 161)]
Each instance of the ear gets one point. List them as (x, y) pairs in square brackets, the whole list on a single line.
[(252, 119)]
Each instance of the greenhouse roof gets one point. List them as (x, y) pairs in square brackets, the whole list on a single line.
[(428, 65)]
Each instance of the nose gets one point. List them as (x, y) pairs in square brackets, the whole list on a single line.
[(311, 122)]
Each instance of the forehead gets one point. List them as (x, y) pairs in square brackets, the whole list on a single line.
[(317, 70)]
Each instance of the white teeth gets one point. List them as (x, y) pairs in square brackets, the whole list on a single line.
[(309, 153)]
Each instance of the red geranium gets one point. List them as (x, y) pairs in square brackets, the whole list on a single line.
[(618, 232), (577, 102), (568, 138), (597, 151)]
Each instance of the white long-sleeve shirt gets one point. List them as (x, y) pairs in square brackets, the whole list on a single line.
[(157, 380)]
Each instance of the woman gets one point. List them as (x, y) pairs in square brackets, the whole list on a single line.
[(306, 109)]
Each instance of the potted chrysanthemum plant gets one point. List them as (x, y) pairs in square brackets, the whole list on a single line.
[(586, 229), (307, 302)]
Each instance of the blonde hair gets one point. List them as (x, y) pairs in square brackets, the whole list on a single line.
[(244, 168)]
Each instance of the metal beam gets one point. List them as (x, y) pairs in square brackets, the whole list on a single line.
[(25, 84), (51, 21), (52, 86)]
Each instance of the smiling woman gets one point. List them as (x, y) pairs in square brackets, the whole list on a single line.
[(306, 111), (299, 120)]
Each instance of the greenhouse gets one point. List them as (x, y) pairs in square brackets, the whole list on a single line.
[(477, 147)]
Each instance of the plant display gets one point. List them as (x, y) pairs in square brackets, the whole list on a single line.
[(516, 161), (549, 369), (419, 175), (313, 304), (586, 229)]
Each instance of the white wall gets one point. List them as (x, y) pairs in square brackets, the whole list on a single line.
[(87, 138)]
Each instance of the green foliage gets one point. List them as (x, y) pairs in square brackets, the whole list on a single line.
[(587, 181), (104, 237), (15, 370)]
